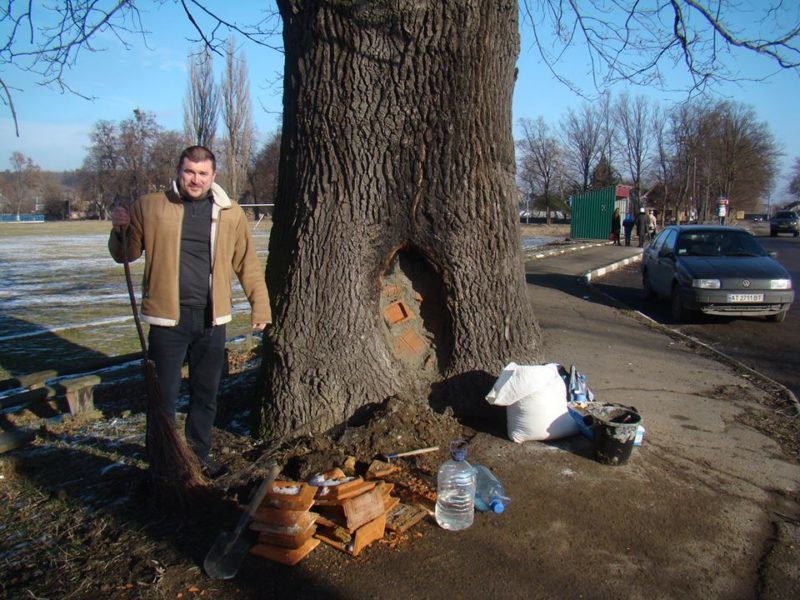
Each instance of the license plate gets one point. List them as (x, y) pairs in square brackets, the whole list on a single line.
[(745, 297)]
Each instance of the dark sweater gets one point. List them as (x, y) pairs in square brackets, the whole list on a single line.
[(195, 252)]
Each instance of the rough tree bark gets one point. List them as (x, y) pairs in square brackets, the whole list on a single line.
[(395, 266)]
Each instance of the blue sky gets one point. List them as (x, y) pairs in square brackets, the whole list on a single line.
[(152, 76)]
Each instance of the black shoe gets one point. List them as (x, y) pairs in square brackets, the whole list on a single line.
[(213, 469)]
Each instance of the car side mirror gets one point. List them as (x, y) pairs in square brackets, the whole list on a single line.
[(664, 252)]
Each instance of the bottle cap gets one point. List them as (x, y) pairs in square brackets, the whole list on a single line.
[(458, 450), (497, 506)]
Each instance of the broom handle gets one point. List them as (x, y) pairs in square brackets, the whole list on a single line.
[(131, 293)]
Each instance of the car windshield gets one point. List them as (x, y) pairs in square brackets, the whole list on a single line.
[(786, 215), (718, 243)]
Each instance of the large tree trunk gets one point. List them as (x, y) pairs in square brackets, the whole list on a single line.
[(395, 265)]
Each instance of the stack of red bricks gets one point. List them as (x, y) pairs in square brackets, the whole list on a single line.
[(285, 523), (349, 513)]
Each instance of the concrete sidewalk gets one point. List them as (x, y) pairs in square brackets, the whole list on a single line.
[(707, 507)]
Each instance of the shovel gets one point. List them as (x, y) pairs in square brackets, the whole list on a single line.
[(226, 555)]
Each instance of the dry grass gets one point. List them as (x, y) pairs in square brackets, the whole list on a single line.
[(49, 228), (542, 230)]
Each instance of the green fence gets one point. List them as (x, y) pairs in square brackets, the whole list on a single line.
[(591, 214)]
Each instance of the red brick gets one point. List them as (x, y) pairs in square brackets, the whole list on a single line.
[(286, 556), (408, 344), (397, 312), (290, 495), (369, 533)]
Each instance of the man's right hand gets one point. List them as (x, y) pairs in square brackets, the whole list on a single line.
[(120, 217)]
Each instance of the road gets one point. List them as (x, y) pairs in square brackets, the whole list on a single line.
[(771, 348)]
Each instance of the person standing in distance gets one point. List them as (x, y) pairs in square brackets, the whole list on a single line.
[(615, 227), (627, 225), (642, 224), (194, 238)]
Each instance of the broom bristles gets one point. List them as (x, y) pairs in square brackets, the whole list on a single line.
[(173, 468)]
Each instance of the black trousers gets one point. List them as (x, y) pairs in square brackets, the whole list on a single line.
[(204, 346)]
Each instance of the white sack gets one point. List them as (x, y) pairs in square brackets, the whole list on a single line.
[(536, 397)]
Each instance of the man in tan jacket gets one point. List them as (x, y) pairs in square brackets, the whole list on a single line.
[(194, 239)]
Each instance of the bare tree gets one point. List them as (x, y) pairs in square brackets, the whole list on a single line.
[(262, 176), (541, 161), (99, 177), (721, 150), (237, 120), (582, 135), (45, 40), (641, 44), (664, 164), (794, 183), (201, 103), (163, 156), (127, 160), (137, 136), (25, 182), (744, 156), (609, 135), (632, 119)]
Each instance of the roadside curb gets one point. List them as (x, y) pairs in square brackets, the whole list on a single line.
[(533, 255), (600, 271)]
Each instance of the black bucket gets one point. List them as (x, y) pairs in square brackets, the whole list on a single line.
[(614, 433)]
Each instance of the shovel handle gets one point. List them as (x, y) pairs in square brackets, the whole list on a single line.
[(412, 452), (255, 501)]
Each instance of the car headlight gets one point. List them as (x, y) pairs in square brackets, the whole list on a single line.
[(706, 284), (780, 284)]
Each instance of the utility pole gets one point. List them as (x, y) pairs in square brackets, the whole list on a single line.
[(695, 207)]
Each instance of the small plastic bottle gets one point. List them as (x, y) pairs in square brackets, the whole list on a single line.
[(577, 386), (455, 490), (637, 441), (489, 494)]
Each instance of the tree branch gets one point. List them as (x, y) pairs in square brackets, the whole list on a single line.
[(50, 42), (8, 100), (638, 42)]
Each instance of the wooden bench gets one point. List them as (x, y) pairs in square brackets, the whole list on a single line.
[(79, 393)]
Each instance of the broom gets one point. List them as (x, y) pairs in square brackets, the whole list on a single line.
[(174, 471)]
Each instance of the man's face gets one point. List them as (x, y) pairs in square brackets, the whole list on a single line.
[(195, 178)]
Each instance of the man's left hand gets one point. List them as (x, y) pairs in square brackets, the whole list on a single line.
[(259, 326)]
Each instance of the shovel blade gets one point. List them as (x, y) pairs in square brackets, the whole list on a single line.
[(225, 556)]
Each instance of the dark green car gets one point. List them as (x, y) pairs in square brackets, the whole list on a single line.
[(715, 270), (785, 221)]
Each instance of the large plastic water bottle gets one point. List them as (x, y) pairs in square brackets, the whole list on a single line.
[(455, 490), (489, 493)]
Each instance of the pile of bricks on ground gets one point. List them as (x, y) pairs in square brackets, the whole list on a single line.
[(349, 513)]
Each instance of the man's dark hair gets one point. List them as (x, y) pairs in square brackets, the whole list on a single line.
[(198, 154)]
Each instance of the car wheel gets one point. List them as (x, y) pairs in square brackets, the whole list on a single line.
[(679, 312), (778, 317), (796, 233), (773, 233), (649, 293)]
